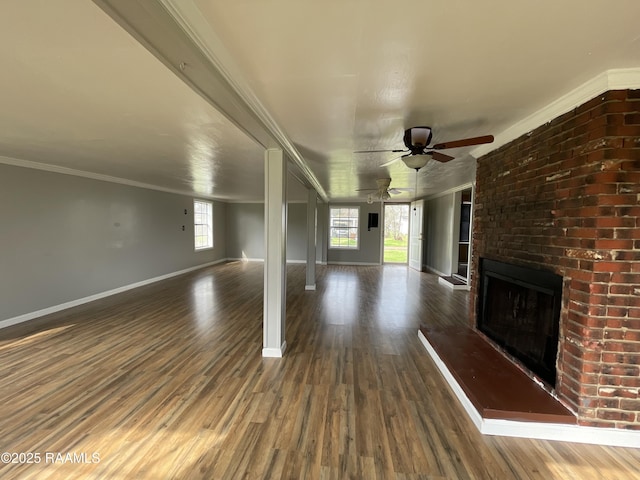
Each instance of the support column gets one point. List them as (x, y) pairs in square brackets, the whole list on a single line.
[(275, 260), (312, 215)]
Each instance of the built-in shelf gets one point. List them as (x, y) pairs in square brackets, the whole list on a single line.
[(461, 273)]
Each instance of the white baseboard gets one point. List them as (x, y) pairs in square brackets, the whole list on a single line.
[(80, 301), (366, 264), (275, 352), (542, 431), (261, 260), (245, 259)]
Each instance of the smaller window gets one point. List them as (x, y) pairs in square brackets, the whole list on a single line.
[(203, 224), (343, 227)]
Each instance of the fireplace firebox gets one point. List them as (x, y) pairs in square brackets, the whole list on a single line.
[(519, 309)]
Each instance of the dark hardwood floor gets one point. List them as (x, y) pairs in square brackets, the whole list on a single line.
[(167, 381)]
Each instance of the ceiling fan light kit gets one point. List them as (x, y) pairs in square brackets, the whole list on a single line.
[(383, 192), (416, 161), (380, 195)]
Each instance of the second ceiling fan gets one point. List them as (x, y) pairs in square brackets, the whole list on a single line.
[(417, 140), (383, 192)]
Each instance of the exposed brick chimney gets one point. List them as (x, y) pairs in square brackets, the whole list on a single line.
[(566, 198)]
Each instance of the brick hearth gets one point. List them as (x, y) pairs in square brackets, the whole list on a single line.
[(566, 198)]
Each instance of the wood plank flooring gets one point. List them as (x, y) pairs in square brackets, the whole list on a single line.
[(167, 381)]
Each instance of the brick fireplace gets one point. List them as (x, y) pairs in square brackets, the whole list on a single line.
[(566, 198)]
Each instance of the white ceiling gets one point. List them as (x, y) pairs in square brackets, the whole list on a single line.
[(324, 78)]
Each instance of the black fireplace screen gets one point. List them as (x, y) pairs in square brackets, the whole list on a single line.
[(519, 309)]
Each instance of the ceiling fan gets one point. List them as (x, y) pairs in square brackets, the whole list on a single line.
[(383, 192), (417, 140)]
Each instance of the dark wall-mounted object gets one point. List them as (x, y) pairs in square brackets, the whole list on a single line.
[(373, 221)]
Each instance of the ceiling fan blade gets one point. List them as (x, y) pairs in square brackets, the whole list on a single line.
[(465, 142), (390, 162), (367, 190), (393, 191), (379, 151), (441, 157)]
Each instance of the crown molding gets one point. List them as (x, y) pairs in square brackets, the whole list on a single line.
[(100, 177), (617, 79), (449, 191), (15, 162)]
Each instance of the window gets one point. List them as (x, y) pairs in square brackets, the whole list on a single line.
[(343, 227), (203, 224)]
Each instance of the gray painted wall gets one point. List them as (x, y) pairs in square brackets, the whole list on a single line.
[(64, 238), (322, 235), (439, 214), (245, 231), (297, 232), (370, 241)]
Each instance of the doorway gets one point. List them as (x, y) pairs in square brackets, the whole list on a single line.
[(396, 233)]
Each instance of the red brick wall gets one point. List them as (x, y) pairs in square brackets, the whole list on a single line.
[(566, 198)]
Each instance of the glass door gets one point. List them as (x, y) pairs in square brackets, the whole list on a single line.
[(396, 233)]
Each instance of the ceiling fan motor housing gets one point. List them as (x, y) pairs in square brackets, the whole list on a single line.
[(383, 183), (416, 139)]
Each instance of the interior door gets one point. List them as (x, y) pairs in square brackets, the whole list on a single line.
[(415, 235)]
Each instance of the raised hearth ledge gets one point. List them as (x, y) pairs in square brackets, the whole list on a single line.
[(535, 430)]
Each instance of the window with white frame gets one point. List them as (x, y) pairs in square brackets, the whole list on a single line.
[(203, 224), (343, 227)]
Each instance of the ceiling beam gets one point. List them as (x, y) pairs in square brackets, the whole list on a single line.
[(177, 34)]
